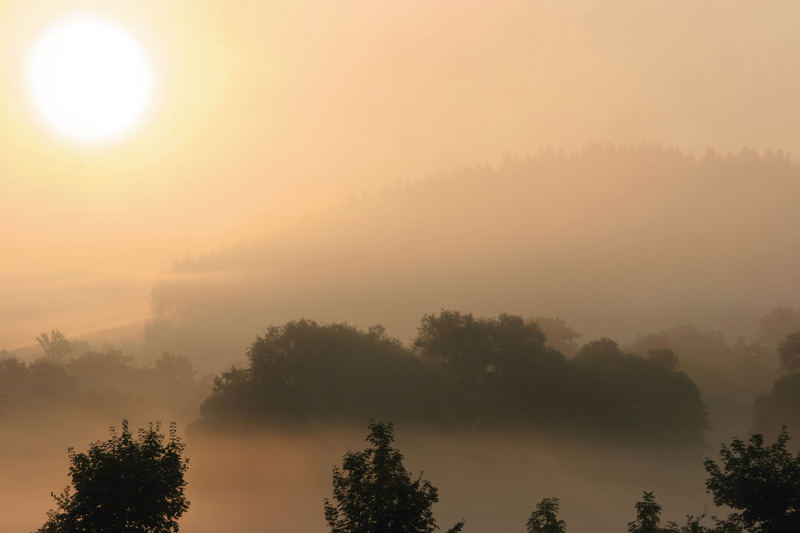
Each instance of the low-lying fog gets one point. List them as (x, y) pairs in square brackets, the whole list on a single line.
[(275, 481)]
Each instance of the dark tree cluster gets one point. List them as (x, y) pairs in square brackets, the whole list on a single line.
[(461, 371)]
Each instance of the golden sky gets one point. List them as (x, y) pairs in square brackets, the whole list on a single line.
[(266, 110)]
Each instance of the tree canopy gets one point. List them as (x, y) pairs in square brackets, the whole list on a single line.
[(55, 345), (125, 484), (460, 371), (374, 492), (762, 483), (545, 518)]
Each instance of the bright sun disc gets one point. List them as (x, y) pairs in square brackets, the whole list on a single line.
[(89, 78)]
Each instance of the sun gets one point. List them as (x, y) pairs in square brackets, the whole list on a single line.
[(89, 78)]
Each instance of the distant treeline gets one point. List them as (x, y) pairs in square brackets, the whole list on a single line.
[(462, 372), (619, 240), (459, 372), (95, 383)]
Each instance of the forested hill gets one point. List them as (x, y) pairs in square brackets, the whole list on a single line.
[(616, 240)]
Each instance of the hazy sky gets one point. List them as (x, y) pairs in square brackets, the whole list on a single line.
[(265, 111)]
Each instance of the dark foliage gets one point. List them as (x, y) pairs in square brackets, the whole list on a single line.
[(621, 393), (500, 368), (303, 371), (462, 371), (374, 492), (648, 516), (762, 483), (124, 485), (545, 518)]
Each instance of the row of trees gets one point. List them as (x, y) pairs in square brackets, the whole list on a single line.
[(761, 484), (136, 484), (754, 383), (460, 371)]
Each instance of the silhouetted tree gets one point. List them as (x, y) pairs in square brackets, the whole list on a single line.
[(374, 492), (789, 352), (545, 518), (648, 516), (124, 485), (55, 345), (761, 482)]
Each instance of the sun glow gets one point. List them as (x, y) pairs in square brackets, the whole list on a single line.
[(89, 78)]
